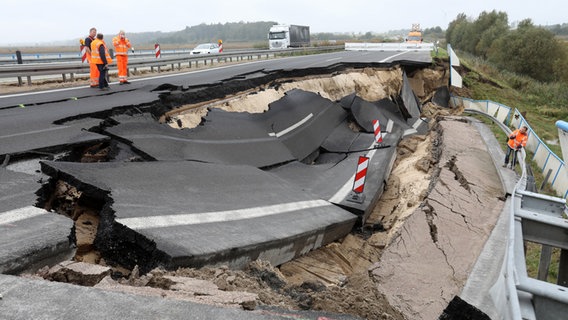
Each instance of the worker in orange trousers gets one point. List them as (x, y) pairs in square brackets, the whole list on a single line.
[(93, 70), (121, 46)]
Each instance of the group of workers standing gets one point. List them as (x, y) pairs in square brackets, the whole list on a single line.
[(99, 58)]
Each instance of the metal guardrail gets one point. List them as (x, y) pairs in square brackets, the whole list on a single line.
[(532, 217), (543, 156), (73, 56), (72, 68)]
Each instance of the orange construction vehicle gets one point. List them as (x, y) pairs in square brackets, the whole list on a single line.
[(415, 34)]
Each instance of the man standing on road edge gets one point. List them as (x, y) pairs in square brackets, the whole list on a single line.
[(101, 57), (93, 70), (121, 46), (517, 140)]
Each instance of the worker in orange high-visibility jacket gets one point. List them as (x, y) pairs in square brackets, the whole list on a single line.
[(93, 71), (121, 46), (517, 140), (101, 57)]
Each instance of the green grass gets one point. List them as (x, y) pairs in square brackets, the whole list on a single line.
[(541, 103), (441, 54), (532, 256)]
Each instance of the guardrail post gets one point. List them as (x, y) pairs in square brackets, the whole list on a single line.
[(544, 264), (19, 59), (29, 80), (545, 181), (563, 269), (64, 77)]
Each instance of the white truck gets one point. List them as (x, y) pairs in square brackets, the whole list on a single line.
[(283, 36)]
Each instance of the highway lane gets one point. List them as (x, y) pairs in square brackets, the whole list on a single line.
[(219, 73), (33, 121)]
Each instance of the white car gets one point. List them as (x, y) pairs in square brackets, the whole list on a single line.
[(206, 48)]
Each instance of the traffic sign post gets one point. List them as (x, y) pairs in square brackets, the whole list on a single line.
[(157, 51), (377, 129), (356, 194)]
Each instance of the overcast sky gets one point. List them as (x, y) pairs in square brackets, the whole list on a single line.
[(38, 21)]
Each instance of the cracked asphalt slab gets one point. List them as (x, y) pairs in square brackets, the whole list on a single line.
[(421, 277), (30, 236), (291, 129), (300, 121), (195, 214), (52, 112)]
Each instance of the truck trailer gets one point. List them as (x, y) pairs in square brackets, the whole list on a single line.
[(288, 36)]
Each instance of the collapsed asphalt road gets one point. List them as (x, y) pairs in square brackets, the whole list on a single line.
[(204, 190), (300, 167), (275, 144)]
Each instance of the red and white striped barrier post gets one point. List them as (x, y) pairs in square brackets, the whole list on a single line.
[(83, 53), (377, 129), (359, 182), (220, 45), (157, 51)]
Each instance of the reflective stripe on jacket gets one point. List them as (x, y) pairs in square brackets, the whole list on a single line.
[(95, 55), (519, 139), (121, 46)]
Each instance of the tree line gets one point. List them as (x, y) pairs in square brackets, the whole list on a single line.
[(258, 32), (527, 49), (235, 31)]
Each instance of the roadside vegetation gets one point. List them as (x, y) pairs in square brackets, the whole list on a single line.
[(525, 68)]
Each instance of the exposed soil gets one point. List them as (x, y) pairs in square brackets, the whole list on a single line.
[(335, 278)]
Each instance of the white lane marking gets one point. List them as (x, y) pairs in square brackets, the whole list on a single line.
[(328, 60), (20, 214), (34, 132), (292, 127), (390, 124), (417, 124), (388, 58), (140, 223), (409, 132), (132, 80)]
